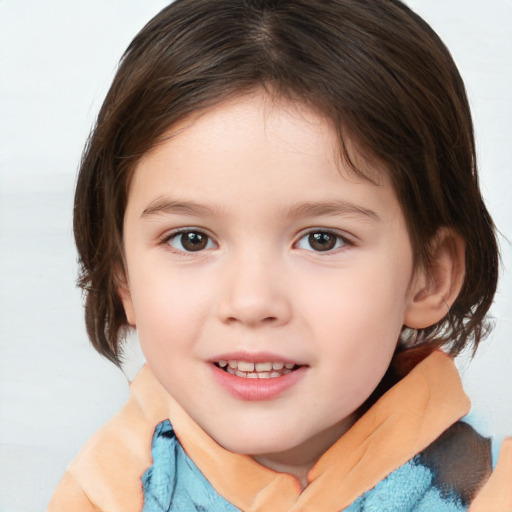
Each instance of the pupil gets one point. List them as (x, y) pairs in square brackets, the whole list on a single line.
[(322, 241), (193, 241)]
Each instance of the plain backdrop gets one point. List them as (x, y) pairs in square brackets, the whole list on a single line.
[(57, 59)]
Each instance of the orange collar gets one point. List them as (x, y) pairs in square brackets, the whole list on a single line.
[(406, 419)]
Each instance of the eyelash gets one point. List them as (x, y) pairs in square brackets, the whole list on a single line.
[(180, 232), (341, 242)]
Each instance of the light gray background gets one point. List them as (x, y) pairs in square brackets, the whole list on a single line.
[(57, 59)]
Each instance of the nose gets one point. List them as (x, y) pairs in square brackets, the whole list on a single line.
[(254, 293)]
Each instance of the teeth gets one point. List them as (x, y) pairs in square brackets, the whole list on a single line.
[(263, 367), (265, 370), (245, 367)]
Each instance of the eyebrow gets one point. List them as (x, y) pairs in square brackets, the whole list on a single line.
[(324, 208), (162, 206)]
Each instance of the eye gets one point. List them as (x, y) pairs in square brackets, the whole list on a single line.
[(190, 241), (321, 241)]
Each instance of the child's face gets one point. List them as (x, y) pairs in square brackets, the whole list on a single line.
[(247, 241)]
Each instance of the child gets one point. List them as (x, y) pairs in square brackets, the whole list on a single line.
[(281, 197)]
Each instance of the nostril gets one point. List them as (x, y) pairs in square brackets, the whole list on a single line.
[(252, 319)]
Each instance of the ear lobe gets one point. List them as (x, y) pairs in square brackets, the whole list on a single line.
[(439, 282), (123, 290)]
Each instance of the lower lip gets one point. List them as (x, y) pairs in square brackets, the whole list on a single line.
[(257, 389)]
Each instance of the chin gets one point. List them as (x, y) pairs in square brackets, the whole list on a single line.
[(259, 443)]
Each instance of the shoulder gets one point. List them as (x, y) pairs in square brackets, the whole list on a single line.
[(108, 469), (69, 496), (496, 494), (461, 464), (460, 461)]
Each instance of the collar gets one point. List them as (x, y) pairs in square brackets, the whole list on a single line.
[(403, 422)]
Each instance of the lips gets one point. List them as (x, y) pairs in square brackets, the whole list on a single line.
[(262, 377)]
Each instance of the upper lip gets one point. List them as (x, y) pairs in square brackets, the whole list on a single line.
[(255, 357)]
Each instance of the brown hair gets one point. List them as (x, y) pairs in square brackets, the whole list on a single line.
[(375, 69)]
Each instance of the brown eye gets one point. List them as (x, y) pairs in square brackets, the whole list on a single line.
[(321, 241), (190, 241)]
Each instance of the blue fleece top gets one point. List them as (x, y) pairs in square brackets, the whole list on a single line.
[(174, 484)]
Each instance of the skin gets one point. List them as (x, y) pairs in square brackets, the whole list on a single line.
[(255, 166)]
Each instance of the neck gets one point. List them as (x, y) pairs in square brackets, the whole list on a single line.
[(298, 461)]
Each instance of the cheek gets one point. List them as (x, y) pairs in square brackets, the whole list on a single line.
[(362, 298), (357, 320), (170, 309), (170, 326)]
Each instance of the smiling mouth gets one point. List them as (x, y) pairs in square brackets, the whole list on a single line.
[(263, 370)]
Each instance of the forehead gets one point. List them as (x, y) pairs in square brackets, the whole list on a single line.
[(258, 121), (244, 124)]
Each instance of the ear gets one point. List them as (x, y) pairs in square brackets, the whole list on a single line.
[(123, 290), (437, 283)]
